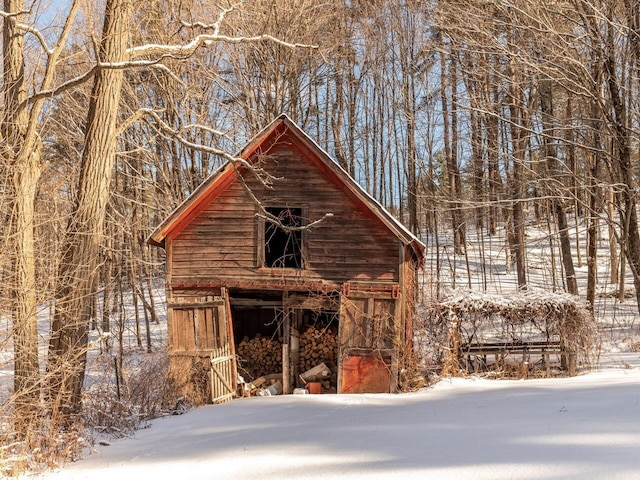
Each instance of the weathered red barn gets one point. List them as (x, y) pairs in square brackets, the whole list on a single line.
[(274, 245)]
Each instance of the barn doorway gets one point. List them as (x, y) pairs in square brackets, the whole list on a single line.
[(282, 335)]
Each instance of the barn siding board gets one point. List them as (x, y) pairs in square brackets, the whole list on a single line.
[(201, 329), (189, 330), (172, 339), (178, 331), (336, 276), (246, 260)]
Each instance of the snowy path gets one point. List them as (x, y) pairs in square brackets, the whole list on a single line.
[(586, 427)]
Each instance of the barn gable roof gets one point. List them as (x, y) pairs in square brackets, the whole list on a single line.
[(222, 177)]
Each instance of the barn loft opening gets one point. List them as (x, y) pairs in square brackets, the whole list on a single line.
[(283, 240)]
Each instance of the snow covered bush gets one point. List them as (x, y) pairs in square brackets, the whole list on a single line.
[(467, 318)]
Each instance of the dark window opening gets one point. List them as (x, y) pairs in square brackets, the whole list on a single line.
[(282, 245)]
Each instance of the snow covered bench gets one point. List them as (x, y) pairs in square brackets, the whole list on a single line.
[(476, 355)]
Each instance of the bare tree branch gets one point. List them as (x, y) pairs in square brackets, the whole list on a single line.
[(28, 29), (206, 40)]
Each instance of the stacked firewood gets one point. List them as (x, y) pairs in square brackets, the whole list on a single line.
[(259, 356), (318, 345), (263, 355)]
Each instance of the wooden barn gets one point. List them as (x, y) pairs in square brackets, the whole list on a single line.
[(280, 262)]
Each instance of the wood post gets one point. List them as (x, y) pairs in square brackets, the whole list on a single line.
[(286, 352), (295, 347)]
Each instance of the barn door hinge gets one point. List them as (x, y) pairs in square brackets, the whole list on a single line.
[(346, 289)]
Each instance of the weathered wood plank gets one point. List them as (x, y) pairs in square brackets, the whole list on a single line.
[(178, 329)]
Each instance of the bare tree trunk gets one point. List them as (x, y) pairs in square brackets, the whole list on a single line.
[(451, 147), (406, 23), (613, 243), (623, 167), (516, 240), (21, 146), (592, 245), (79, 265), (336, 119), (592, 237), (409, 95), (21, 150), (546, 107), (478, 168), (495, 181), (632, 14), (459, 223), (573, 167)]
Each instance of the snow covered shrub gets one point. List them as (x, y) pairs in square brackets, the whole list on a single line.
[(52, 439), (190, 379), (58, 446), (106, 412), (429, 339), (147, 385), (468, 319)]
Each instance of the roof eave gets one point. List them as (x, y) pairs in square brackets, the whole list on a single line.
[(159, 235)]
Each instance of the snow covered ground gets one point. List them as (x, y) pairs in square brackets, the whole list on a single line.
[(585, 427)]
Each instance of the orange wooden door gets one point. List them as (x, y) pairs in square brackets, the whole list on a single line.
[(368, 343)]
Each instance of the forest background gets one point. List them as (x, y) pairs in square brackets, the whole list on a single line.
[(463, 118)]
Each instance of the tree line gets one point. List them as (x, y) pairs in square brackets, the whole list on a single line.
[(458, 116)]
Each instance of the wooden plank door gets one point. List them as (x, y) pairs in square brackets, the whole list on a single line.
[(223, 357), (368, 338), (202, 329), (222, 375)]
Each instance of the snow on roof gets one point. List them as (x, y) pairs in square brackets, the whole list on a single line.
[(529, 300)]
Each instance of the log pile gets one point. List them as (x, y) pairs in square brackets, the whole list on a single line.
[(318, 345), (259, 356), (262, 355)]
